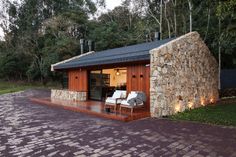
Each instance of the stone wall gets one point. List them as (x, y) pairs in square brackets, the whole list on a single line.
[(68, 95), (184, 75)]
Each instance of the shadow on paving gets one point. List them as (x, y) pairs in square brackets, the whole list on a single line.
[(28, 129)]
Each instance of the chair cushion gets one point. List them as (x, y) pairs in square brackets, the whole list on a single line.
[(110, 100), (123, 93), (124, 102), (132, 95), (116, 94), (140, 104)]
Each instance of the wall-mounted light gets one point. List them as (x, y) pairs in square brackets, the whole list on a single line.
[(117, 72)]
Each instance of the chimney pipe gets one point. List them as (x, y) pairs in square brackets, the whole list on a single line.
[(82, 45), (157, 36), (90, 45)]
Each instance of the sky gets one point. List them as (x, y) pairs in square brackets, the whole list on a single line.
[(1, 33), (110, 4)]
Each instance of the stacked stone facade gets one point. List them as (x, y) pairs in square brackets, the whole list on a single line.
[(68, 95), (184, 75)]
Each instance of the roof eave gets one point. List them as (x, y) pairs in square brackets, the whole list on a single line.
[(67, 60), (108, 64)]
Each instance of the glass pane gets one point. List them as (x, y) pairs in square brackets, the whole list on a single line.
[(95, 85)]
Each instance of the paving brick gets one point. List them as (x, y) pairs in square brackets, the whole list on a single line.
[(28, 129)]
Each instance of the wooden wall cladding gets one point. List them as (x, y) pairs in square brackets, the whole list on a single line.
[(78, 80), (138, 79)]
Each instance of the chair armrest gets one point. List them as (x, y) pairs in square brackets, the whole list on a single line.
[(120, 99)]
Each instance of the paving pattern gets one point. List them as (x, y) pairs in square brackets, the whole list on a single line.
[(28, 129)]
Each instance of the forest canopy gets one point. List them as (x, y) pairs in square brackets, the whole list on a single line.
[(39, 33)]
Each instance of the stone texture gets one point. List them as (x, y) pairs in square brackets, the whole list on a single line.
[(184, 75), (68, 95)]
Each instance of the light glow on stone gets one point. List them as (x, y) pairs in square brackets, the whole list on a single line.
[(202, 102), (177, 108), (190, 105), (212, 100)]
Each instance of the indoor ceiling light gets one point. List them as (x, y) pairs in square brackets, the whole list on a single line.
[(117, 72)]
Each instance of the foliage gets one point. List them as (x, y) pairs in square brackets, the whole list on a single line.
[(120, 25), (13, 65), (39, 33), (220, 114), (226, 13)]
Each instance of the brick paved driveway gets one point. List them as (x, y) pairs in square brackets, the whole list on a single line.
[(28, 129)]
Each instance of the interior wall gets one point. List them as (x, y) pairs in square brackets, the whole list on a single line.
[(116, 80)]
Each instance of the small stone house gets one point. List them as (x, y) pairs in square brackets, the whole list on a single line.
[(176, 74)]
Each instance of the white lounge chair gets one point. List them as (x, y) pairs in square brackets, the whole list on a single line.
[(116, 98), (125, 104)]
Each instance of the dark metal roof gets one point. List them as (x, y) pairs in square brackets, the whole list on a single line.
[(139, 52)]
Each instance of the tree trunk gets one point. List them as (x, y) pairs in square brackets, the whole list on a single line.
[(190, 15), (184, 24), (219, 53), (208, 23), (161, 19), (175, 18), (175, 21), (167, 21), (130, 21)]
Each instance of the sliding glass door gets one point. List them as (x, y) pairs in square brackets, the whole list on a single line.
[(95, 85)]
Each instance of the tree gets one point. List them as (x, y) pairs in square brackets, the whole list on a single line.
[(121, 25), (226, 12), (190, 15), (45, 31)]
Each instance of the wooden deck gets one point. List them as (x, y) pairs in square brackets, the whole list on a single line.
[(95, 108)]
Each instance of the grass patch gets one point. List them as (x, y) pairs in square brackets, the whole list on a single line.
[(220, 114), (10, 87)]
